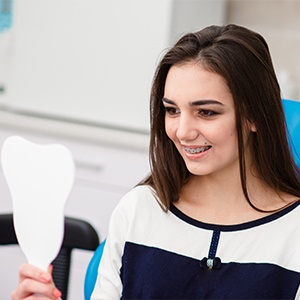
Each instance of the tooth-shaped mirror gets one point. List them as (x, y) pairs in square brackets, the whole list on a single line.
[(40, 179)]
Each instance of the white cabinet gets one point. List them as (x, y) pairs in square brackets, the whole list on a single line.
[(104, 173)]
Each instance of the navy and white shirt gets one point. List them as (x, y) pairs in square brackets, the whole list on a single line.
[(151, 254)]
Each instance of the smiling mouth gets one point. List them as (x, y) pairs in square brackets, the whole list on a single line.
[(196, 150)]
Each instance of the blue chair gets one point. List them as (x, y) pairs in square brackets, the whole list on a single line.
[(92, 271), (292, 115)]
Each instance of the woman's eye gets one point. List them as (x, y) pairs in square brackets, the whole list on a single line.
[(207, 113), (171, 110)]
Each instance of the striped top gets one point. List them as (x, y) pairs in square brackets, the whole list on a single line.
[(151, 254)]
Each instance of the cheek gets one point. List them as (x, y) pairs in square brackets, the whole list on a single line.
[(218, 133), (232, 142), (170, 131), (226, 135), (231, 135)]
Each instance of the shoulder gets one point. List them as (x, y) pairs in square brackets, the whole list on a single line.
[(139, 192), (138, 201), (139, 197)]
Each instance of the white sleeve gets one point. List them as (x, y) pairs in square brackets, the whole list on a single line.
[(298, 294), (108, 285)]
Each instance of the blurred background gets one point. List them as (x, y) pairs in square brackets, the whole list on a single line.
[(78, 72), (92, 62)]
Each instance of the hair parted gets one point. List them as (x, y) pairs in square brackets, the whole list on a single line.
[(242, 58)]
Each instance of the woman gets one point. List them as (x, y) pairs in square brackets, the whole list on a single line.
[(218, 217)]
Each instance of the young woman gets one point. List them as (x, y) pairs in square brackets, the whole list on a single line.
[(218, 217)]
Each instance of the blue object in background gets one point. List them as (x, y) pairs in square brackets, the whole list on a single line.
[(92, 272), (292, 115), (5, 14)]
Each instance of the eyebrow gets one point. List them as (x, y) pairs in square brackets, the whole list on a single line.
[(195, 103)]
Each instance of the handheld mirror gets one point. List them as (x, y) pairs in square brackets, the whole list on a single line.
[(40, 179)]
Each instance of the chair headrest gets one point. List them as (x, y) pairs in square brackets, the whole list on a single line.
[(292, 115)]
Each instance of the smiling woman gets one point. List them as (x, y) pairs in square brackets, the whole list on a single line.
[(218, 217), (218, 190)]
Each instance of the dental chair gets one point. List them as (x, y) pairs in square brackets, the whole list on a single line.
[(92, 271), (292, 115)]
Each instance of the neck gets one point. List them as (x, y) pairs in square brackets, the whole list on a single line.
[(213, 191), (217, 199)]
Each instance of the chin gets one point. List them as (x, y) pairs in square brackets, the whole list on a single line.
[(199, 171)]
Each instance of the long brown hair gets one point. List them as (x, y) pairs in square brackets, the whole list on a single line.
[(242, 58)]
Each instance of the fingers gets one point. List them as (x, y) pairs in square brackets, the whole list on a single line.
[(33, 281), (29, 271), (29, 289)]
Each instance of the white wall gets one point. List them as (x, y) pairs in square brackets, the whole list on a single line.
[(278, 21), (93, 60)]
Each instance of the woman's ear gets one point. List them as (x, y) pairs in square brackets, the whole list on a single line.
[(252, 127)]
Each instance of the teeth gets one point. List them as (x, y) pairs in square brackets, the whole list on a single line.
[(196, 150)]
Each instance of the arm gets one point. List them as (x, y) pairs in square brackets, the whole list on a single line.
[(298, 294), (34, 281), (122, 222), (108, 285)]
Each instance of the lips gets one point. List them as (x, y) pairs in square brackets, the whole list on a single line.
[(196, 150)]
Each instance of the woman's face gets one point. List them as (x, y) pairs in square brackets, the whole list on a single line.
[(200, 119)]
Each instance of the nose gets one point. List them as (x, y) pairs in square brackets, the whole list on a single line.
[(187, 129)]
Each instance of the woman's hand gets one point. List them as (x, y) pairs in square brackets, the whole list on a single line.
[(35, 284)]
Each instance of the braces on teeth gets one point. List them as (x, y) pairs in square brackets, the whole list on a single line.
[(196, 150)]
